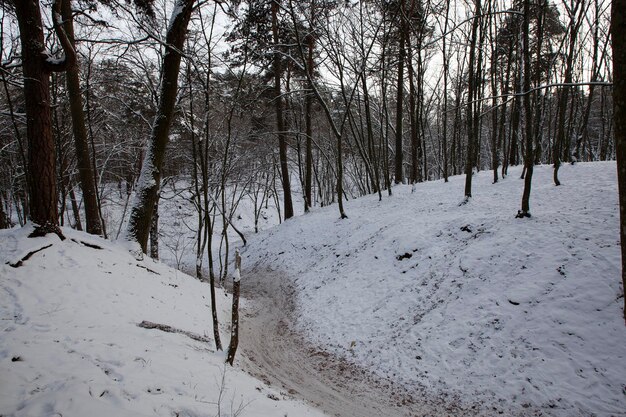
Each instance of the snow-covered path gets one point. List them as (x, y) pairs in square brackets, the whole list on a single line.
[(274, 353)]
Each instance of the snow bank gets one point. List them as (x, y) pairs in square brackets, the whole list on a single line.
[(70, 343), (467, 300)]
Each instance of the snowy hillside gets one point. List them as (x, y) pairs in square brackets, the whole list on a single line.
[(467, 300), (70, 343)]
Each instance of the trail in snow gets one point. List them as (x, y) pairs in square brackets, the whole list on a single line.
[(274, 353), (281, 357)]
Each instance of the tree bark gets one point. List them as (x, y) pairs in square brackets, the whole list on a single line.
[(564, 94), (150, 177), (308, 170), (399, 171), (154, 231), (36, 69), (618, 37), (85, 173), (529, 154), (280, 121), (444, 145), (472, 122), (234, 327)]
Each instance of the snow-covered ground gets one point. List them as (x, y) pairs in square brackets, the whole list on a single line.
[(70, 344), (464, 302), (467, 300)]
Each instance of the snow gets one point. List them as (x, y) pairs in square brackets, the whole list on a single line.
[(466, 300), (462, 302), (70, 343)]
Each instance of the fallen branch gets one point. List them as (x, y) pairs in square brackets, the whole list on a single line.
[(169, 329), (27, 257), (89, 245), (148, 269)]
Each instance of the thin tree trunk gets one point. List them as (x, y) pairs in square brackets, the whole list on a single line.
[(76, 212), (472, 122), (529, 155), (563, 97), (413, 175), (399, 171), (308, 170), (444, 138)]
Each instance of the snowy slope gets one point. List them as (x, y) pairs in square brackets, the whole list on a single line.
[(70, 344), (466, 299)]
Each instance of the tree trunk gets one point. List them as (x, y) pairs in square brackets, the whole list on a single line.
[(150, 178), (85, 173), (5, 222), (444, 138), (563, 97), (234, 327), (413, 119), (77, 223), (154, 231), (280, 121), (618, 36), (529, 154), (472, 122), (399, 172), (42, 185), (308, 170)]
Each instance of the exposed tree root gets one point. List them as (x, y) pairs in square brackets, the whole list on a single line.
[(42, 230)]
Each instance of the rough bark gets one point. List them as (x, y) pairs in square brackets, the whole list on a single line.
[(5, 223), (618, 37), (85, 173), (150, 177), (280, 120), (154, 231), (234, 327), (36, 69)]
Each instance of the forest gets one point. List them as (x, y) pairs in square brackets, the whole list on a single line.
[(423, 132), (302, 103), (330, 98)]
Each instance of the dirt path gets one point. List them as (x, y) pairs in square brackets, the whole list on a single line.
[(274, 353)]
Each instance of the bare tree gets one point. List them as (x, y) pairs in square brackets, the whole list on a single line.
[(150, 178), (85, 171)]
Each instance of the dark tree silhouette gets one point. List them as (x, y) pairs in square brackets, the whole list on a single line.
[(618, 36)]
